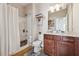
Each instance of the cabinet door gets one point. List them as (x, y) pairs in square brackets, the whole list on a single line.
[(65, 49), (48, 50), (77, 46), (49, 46)]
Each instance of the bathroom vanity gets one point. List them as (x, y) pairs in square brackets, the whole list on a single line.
[(61, 44), (62, 37)]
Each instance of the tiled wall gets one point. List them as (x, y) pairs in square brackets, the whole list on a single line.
[(22, 26), (22, 23)]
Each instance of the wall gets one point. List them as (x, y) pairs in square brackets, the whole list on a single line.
[(73, 18), (29, 18), (76, 18), (22, 26), (22, 23), (2, 30), (70, 18)]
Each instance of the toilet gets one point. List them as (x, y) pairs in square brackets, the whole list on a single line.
[(37, 47)]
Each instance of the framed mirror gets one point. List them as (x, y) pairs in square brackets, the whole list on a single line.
[(58, 19)]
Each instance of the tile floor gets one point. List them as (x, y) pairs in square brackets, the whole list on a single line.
[(33, 54)]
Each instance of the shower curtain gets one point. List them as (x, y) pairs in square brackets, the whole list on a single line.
[(9, 30), (14, 38)]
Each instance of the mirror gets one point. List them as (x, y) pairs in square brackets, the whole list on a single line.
[(57, 20)]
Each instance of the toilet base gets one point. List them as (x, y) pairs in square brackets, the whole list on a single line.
[(35, 54)]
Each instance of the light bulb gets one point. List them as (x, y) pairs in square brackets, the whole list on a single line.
[(51, 9), (57, 6)]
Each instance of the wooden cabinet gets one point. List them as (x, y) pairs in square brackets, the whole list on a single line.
[(65, 49), (77, 46), (68, 39), (48, 45), (61, 45)]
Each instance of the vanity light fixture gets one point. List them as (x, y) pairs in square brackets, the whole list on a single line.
[(57, 7)]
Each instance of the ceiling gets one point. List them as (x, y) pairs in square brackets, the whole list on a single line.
[(19, 4)]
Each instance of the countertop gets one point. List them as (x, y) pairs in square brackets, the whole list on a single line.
[(65, 34)]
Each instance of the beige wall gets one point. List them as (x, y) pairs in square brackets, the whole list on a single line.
[(76, 18)]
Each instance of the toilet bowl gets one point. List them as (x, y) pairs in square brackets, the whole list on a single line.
[(37, 46)]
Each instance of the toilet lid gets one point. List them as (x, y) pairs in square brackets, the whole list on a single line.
[(38, 42)]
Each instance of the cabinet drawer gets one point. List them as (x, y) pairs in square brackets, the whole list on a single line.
[(57, 37), (65, 49), (68, 39), (48, 36), (67, 44), (77, 46)]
